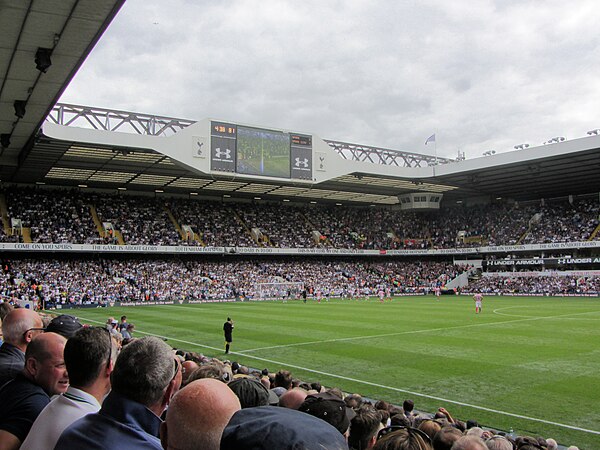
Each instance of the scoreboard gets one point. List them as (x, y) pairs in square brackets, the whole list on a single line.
[(257, 151)]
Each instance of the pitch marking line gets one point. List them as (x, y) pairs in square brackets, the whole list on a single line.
[(382, 386), (400, 333)]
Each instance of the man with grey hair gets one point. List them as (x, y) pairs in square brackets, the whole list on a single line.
[(198, 415), (145, 377), (471, 442), (19, 327), (498, 443)]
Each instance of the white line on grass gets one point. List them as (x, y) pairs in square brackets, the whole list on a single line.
[(400, 333), (382, 386)]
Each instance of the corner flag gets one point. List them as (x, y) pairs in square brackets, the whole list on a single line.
[(430, 139)]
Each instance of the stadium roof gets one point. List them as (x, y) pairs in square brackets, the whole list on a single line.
[(54, 35), (70, 29)]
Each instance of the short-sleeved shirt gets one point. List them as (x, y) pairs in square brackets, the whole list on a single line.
[(21, 401), (12, 361)]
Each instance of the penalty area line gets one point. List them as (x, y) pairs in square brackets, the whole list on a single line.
[(377, 385)]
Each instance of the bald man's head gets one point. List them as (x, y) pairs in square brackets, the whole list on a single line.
[(293, 398), (197, 416), (20, 326)]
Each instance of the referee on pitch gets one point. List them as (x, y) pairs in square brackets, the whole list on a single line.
[(228, 331)]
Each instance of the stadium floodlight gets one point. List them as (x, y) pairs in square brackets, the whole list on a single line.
[(555, 140), (595, 132), (521, 146), (42, 59), (489, 153), (20, 108), (5, 140)]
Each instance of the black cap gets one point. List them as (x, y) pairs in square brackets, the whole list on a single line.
[(64, 325), (272, 427), (330, 408), (251, 392)]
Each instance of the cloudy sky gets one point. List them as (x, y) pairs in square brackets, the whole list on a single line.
[(481, 75)]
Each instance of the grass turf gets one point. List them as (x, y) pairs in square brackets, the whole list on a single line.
[(531, 364)]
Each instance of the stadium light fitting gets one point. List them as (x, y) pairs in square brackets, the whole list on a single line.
[(42, 59), (20, 108), (83, 186), (40, 183), (521, 146), (286, 200), (193, 193), (5, 140), (122, 188), (158, 191), (595, 132), (312, 202), (255, 198), (489, 153), (226, 196)]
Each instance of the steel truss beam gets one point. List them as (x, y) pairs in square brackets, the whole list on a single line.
[(146, 124)]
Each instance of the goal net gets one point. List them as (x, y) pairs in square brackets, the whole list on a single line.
[(278, 290)]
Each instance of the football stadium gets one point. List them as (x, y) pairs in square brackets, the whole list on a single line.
[(438, 300)]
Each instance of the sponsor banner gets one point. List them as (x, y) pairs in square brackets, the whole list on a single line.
[(541, 261), (172, 249), (545, 273)]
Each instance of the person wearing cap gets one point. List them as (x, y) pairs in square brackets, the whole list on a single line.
[(19, 327), (228, 332), (65, 325), (145, 378), (24, 397), (271, 427), (89, 356), (252, 393), (197, 416), (331, 409)]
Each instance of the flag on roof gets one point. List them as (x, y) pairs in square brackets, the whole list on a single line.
[(430, 139)]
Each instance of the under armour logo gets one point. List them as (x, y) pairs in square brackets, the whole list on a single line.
[(303, 163), (219, 153)]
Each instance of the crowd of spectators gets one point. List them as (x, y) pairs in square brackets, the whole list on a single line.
[(139, 393), (537, 285), (101, 281), (59, 216)]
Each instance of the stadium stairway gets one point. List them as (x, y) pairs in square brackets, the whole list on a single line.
[(175, 223), (594, 233), (26, 233), (97, 222)]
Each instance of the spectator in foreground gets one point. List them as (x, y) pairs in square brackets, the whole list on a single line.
[(364, 428), (19, 327), (145, 378), (293, 398), (89, 357), (498, 442), (197, 416), (445, 438), (24, 397), (271, 427), (471, 442), (402, 439)]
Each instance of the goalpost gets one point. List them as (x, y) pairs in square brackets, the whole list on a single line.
[(284, 290)]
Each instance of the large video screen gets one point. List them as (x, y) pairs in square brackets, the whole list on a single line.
[(263, 152)]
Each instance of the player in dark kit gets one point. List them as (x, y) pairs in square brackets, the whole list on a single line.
[(228, 331)]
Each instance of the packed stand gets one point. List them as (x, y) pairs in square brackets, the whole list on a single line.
[(64, 216), (76, 282), (537, 285), (54, 216)]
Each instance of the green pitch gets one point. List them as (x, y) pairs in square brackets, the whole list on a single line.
[(531, 364)]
